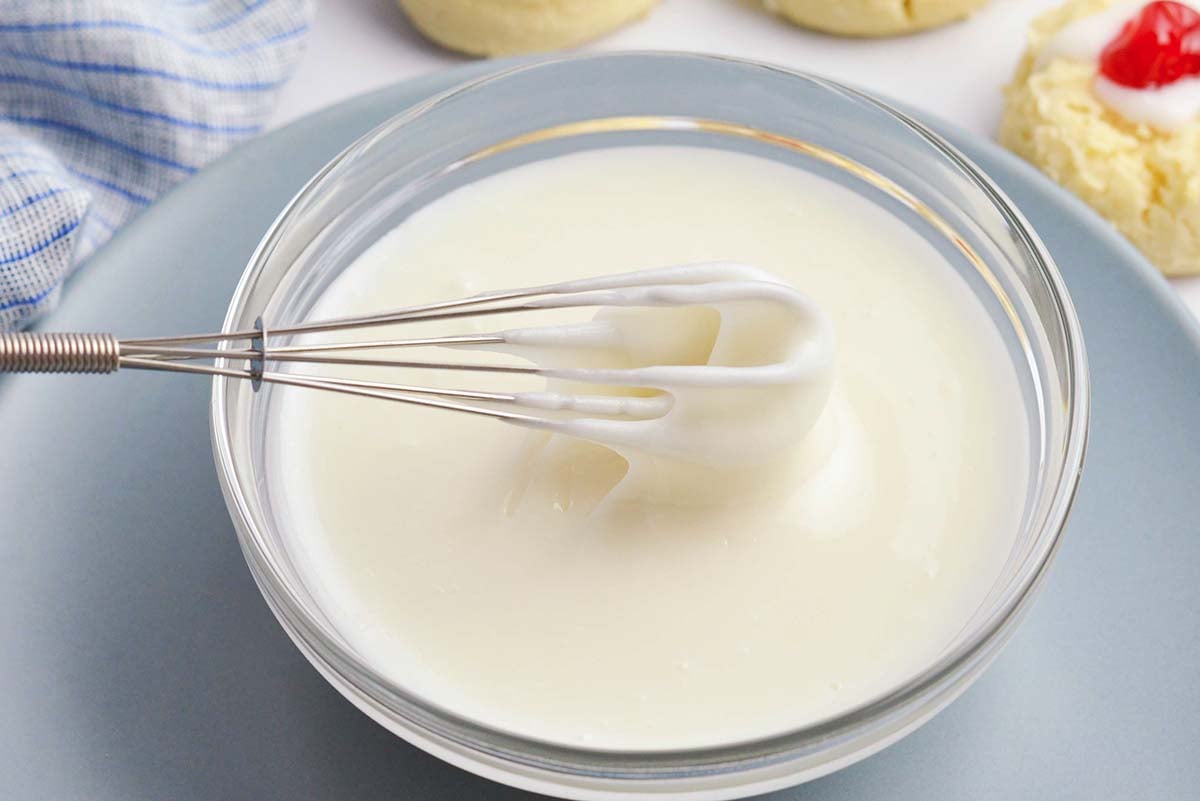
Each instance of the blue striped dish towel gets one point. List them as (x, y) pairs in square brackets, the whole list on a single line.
[(105, 104)]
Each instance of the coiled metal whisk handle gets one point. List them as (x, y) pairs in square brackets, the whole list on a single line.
[(59, 353)]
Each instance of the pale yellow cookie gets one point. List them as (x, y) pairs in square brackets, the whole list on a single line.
[(872, 17), (509, 27), (1146, 182)]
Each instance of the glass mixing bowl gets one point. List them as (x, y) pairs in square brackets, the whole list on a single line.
[(533, 112)]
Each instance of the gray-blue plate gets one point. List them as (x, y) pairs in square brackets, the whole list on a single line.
[(137, 660)]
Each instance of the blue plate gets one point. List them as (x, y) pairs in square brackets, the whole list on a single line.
[(137, 660)]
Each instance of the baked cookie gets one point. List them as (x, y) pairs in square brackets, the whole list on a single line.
[(872, 17), (1106, 101), (509, 27)]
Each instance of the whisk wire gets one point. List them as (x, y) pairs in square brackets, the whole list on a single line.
[(102, 353), (245, 354)]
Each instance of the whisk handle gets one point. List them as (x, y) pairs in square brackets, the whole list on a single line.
[(26, 352)]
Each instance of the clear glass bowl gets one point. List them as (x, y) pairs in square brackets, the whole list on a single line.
[(533, 112)]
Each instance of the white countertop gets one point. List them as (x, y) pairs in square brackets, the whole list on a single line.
[(955, 72)]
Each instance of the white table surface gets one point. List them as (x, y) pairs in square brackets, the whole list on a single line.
[(955, 72)]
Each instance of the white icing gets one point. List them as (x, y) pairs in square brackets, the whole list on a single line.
[(1167, 108), (738, 395), (497, 572)]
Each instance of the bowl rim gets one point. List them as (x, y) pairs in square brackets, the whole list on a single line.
[(297, 621)]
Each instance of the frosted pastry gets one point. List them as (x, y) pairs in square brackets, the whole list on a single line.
[(1107, 103), (872, 17), (509, 27)]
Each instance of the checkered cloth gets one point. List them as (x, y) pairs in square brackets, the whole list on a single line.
[(105, 104)]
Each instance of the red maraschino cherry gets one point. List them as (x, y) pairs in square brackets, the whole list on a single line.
[(1157, 47)]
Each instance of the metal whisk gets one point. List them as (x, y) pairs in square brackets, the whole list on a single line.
[(255, 351)]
